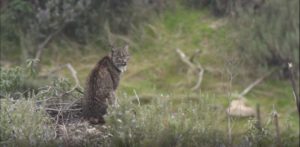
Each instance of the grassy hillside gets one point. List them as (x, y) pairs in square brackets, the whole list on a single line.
[(155, 68), (171, 113)]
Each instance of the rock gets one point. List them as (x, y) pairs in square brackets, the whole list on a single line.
[(238, 108)]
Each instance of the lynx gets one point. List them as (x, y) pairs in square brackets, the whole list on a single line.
[(103, 82)]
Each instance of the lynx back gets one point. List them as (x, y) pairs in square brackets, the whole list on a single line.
[(102, 84)]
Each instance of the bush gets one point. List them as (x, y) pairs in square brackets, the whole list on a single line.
[(22, 122), (164, 122), (11, 80), (224, 7), (167, 121), (26, 25), (270, 37), (27, 120), (17, 79)]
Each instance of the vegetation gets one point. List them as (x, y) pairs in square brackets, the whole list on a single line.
[(271, 44), (40, 98)]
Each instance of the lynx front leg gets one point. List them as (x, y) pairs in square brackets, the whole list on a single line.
[(112, 100)]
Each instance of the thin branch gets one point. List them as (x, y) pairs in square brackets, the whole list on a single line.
[(42, 46), (276, 124), (185, 59), (255, 83), (137, 97), (65, 133), (54, 70), (229, 125), (74, 74), (258, 118), (293, 83), (195, 54), (61, 110), (71, 104), (197, 67), (199, 81)]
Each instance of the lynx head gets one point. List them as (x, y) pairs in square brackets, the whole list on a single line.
[(120, 57)]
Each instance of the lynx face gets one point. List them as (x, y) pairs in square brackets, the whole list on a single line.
[(120, 57)]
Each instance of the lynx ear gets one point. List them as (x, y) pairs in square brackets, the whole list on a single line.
[(126, 47)]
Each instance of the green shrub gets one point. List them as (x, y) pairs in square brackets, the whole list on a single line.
[(17, 79), (27, 24), (165, 122), (22, 122), (25, 121), (224, 7), (270, 37), (11, 80)]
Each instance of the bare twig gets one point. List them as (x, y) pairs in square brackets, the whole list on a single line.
[(56, 69), (65, 134), (195, 54), (200, 78), (276, 123), (258, 125), (193, 66), (293, 83), (229, 125), (242, 108), (42, 46), (185, 59), (137, 97), (61, 110), (71, 104), (258, 118), (59, 113), (73, 73), (255, 83)]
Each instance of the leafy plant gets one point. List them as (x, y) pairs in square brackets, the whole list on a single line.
[(11, 80), (29, 26), (15, 79), (22, 122), (270, 37)]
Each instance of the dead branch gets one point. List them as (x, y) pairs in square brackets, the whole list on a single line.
[(293, 83), (71, 104), (200, 78), (255, 83), (73, 73), (229, 127), (276, 124), (61, 110), (196, 67), (238, 107), (137, 97), (54, 70), (195, 54), (258, 118), (185, 59), (42, 45)]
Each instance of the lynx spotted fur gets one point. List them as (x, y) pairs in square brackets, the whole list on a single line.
[(102, 84)]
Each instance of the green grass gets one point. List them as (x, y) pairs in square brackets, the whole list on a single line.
[(156, 68)]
